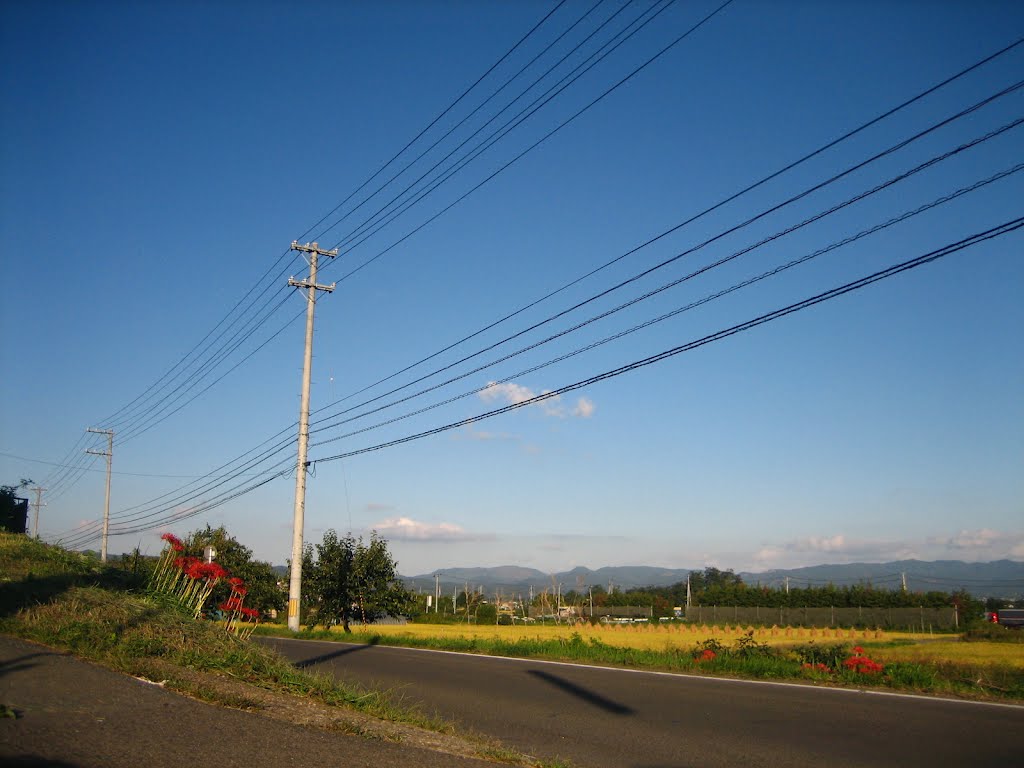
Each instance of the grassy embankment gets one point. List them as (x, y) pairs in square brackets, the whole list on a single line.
[(104, 614), (923, 663)]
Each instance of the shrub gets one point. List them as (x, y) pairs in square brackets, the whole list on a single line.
[(831, 655)]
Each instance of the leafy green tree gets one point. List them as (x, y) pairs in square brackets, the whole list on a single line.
[(259, 577), (349, 579)]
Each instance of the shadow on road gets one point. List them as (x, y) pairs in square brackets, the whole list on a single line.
[(32, 761), (335, 654), (15, 665), (583, 693)]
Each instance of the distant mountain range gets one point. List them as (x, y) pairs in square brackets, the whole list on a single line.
[(1000, 578)]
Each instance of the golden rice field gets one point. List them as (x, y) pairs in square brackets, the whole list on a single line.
[(648, 636), (1011, 654), (926, 646)]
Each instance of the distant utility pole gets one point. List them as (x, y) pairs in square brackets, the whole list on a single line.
[(903, 581), (109, 453), (787, 585), (311, 286), (37, 505)]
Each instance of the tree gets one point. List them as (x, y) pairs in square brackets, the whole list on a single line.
[(259, 577), (350, 579)]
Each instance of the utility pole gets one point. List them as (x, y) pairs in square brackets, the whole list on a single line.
[(787, 585), (311, 286), (687, 591), (109, 453), (37, 505), (903, 581)]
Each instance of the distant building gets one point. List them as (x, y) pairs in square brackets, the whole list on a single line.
[(14, 514)]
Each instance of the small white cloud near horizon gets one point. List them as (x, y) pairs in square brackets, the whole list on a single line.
[(512, 394), (407, 529), (981, 545)]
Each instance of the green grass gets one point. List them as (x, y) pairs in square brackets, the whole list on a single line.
[(743, 657), (105, 614)]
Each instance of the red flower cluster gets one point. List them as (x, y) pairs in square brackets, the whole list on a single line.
[(817, 667), (209, 571), (706, 655), (174, 541), (185, 563), (231, 604), (861, 664), (251, 613)]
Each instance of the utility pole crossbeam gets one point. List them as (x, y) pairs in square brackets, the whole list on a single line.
[(39, 503), (109, 453), (311, 286)]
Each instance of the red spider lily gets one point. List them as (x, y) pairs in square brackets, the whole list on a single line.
[(173, 541), (817, 667), (236, 582), (241, 591), (208, 571), (214, 572), (862, 665), (185, 563), (706, 655), (251, 613)]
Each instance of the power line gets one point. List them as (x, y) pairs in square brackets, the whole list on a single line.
[(731, 230), (620, 334), (536, 144), (710, 209), (927, 258), (539, 102), (482, 104), (433, 122)]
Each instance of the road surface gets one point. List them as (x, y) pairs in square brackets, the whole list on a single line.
[(72, 714), (631, 719)]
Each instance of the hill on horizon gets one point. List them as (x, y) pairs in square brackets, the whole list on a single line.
[(999, 578)]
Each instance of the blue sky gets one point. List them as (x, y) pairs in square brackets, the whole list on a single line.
[(159, 158)]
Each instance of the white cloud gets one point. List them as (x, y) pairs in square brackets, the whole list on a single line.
[(482, 435), (407, 529), (584, 408), (838, 548), (983, 538), (511, 393)]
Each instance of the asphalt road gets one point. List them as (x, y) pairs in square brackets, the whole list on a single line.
[(72, 714), (629, 719)]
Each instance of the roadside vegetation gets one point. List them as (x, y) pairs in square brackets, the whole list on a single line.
[(921, 663), (112, 615)]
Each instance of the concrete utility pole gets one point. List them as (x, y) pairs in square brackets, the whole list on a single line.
[(109, 453), (37, 505), (311, 286)]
